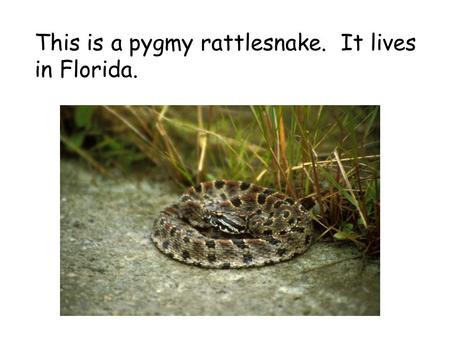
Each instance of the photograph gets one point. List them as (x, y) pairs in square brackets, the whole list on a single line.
[(220, 210)]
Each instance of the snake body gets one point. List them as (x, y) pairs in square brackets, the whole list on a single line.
[(232, 224)]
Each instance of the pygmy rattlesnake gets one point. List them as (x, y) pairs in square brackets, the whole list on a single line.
[(232, 224)]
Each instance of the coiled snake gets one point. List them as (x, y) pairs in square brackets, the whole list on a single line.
[(232, 224)]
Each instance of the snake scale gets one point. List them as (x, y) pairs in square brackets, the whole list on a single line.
[(232, 224)]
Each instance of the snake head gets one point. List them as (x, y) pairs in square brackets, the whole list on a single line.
[(225, 222)]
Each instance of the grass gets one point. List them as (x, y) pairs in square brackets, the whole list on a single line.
[(327, 156)]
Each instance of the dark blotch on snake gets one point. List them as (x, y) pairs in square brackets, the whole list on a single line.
[(219, 184), (281, 252), (261, 198), (210, 244), (239, 243), (267, 232), (236, 202), (165, 244), (247, 259), (286, 214), (211, 258), (186, 239), (298, 229), (186, 254), (225, 265), (308, 239), (245, 186), (173, 231)]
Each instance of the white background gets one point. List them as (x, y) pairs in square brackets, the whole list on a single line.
[(412, 89)]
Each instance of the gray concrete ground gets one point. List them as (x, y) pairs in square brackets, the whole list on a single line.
[(109, 266)]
